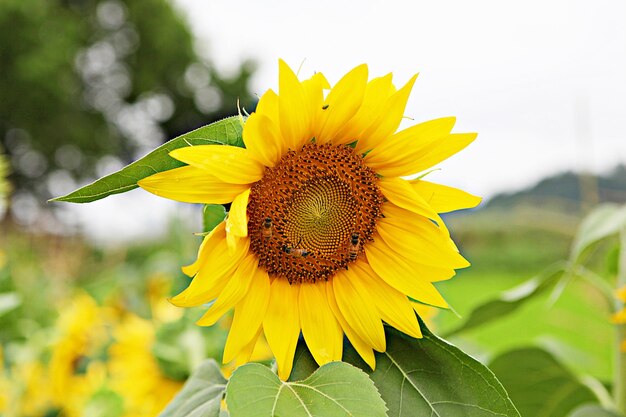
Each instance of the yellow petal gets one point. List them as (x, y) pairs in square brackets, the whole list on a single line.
[(263, 139), (295, 120), (314, 96), (377, 92), (342, 103), (362, 348), (393, 306), (621, 293), (401, 275), (388, 120), (237, 220), (212, 277), (248, 317), (233, 291), (444, 199), (400, 193), (268, 105), (192, 269), (230, 164), (191, 185), (320, 329), (397, 155), (245, 353), (418, 239), (358, 310), (282, 324)]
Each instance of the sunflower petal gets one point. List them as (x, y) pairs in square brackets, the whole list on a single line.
[(393, 306), (248, 317), (444, 199), (398, 155), (357, 308), (400, 193), (295, 120), (233, 291), (268, 105), (342, 103), (376, 94), (263, 139), (209, 282), (388, 120), (361, 346), (282, 324), (314, 96), (418, 238), (320, 328), (237, 220), (191, 185), (230, 164), (192, 269), (399, 274), (246, 352)]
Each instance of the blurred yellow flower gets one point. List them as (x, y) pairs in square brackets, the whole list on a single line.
[(324, 236), (135, 374), (74, 375)]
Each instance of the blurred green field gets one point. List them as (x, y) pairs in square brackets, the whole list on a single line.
[(505, 250), (47, 275)]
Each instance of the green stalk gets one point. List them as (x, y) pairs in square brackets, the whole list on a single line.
[(619, 384)]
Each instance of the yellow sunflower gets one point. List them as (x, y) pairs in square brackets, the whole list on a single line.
[(324, 236)]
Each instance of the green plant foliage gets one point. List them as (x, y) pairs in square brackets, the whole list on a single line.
[(538, 384), (602, 222), (212, 215), (224, 132), (427, 377), (9, 301), (593, 411), (510, 300), (201, 396), (336, 389)]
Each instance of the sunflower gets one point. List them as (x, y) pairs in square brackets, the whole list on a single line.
[(324, 236)]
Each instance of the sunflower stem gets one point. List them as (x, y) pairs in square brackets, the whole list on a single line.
[(619, 384)]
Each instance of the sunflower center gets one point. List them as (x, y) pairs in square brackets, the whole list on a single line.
[(310, 215)]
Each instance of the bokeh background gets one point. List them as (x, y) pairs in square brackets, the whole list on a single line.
[(88, 86)]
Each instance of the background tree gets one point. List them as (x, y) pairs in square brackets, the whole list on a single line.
[(87, 85)]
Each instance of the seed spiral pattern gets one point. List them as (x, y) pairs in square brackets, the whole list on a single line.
[(316, 198)]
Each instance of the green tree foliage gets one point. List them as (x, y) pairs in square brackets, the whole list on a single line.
[(82, 80)]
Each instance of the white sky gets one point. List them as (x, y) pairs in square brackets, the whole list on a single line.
[(543, 82)]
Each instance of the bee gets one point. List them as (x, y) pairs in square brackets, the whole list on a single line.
[(267, 228), (296, 252), (353, 250)]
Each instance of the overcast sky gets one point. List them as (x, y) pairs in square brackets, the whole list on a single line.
[(542, 82)]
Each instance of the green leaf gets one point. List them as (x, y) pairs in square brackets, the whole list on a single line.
[(593, 411), (212, 215), (538, 384), (510, 300), (201, 396), (336, 389), (604, 221), (223, 132), (9, 301), (426, 377)]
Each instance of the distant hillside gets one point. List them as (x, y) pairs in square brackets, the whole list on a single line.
[(568, 191)]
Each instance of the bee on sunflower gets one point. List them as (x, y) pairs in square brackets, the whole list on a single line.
[(324, 236)]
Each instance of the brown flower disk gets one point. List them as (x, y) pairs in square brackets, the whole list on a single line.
[(317, 198)]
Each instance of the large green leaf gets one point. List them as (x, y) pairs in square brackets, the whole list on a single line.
[(593, 411), (602, 222), (538, 384), (223, 132), (510, 300), (201, 396), (336, 389), (426, 377)]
